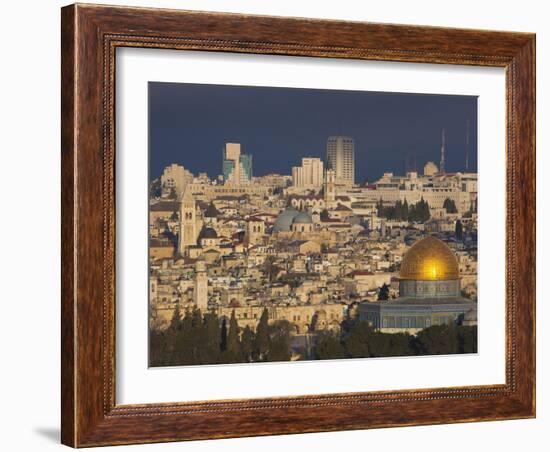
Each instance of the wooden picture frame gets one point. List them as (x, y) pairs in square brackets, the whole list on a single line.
[(90, 36)]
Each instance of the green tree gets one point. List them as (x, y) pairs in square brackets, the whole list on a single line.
[(419, 212), (458, 230), (261, 343), (405, 211), (424, 211), (437, 340), (159, 348), (223, 335), (279, 341), (211, 352), (182, 352), (175, 323), (357, 343), (380, 208), (329, 347), (467, 339), (449, 205), (384, 292), (379, 344), (399, 344), (247, 344), (270, 269), (233, 343)]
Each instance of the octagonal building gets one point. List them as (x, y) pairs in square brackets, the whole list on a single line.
[(429, 292)]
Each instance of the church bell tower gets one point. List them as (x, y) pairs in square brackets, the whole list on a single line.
[(188, 222), (330, 188)]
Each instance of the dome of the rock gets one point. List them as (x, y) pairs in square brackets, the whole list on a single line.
[(429, 259)]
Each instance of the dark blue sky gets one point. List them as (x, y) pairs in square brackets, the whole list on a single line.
[(189, 124)]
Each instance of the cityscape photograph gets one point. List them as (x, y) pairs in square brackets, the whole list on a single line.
[(291, 224)]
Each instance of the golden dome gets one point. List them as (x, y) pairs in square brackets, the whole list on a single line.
[(429, 259)]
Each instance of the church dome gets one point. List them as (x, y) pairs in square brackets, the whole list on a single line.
[(430, 169), (429, 259), (208, 233), (284, 220), (302, 218)]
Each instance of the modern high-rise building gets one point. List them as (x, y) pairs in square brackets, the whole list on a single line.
[(341, 159), (237, 167), (309, 175), (246, 168)]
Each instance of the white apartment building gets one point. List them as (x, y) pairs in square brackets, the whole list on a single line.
[(309, 175), (341, 159)]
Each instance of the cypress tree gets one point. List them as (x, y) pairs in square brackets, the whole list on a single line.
[(380, 208), (175, 323), (233, 343), (223, 335), (405, 211), (183, 347), (247, 344), (261, 345), (449, 205), (458, 230), (384, 292), (211, 352)]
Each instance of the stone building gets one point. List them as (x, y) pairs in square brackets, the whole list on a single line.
[(174, 179), (190, 222), (200, 293), (309, 175)]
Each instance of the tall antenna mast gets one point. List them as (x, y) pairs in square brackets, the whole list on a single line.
[(467, 143), (442, 161)]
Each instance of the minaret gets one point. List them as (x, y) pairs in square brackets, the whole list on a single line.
[(467, 143), (442, 161), (200, 292)]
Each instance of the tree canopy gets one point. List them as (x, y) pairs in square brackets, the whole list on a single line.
[(403, 211), (197, 338)]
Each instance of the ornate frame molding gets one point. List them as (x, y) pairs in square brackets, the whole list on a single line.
[(90, 37)]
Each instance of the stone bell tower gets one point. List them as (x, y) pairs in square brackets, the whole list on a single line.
[(188, 222), (330, 188)]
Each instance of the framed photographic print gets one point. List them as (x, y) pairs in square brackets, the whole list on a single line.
[(279, 225)]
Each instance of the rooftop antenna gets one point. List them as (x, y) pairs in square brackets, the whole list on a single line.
[(442, 161), (467, 143)]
